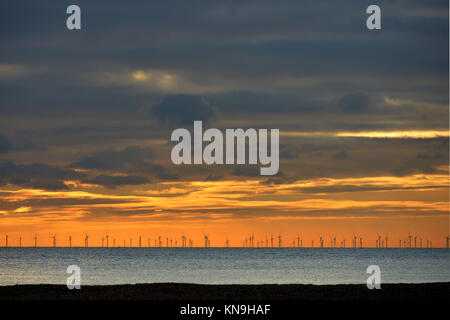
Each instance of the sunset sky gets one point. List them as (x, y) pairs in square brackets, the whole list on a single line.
[(86, 118)]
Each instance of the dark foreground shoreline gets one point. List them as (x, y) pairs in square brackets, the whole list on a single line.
[(177, 291)]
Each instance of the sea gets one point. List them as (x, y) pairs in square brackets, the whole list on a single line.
[(108, 266)]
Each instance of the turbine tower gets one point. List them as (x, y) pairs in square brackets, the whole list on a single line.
[(54, 241), (206, 240)]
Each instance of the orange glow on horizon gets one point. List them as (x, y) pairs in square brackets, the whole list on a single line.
[(232, 210)]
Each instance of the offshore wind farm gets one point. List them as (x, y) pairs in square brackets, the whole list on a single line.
[(410, 241)]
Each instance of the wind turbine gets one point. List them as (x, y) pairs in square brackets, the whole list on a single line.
[(271, 240), (70, 241), (360, 242), (6, 242), (35, 241), (409, 237), (279, 240), (86, 240), (54, 241), (20, 242)]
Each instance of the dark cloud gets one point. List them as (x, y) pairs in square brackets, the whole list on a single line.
[(132, 160), (129, 159), (341, 155), (182, 109), (356, 102), (5, 144), (246, 171), (116, 181), (36, 175)]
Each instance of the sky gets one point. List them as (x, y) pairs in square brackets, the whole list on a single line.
[(86, 118)]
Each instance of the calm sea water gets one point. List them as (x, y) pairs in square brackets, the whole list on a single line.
[(221, 265)]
